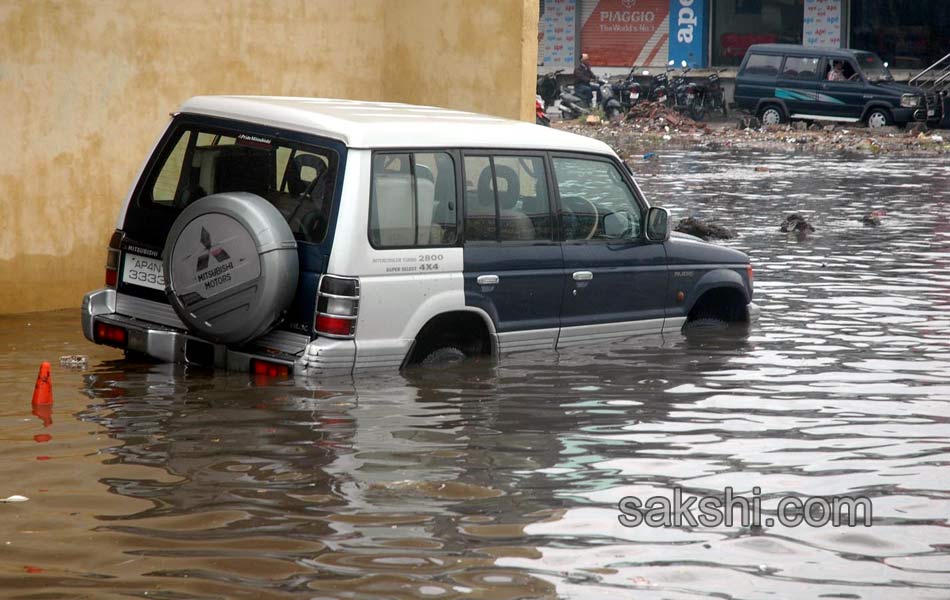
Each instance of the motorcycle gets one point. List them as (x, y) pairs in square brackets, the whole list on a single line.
[(630, 90), (657, 90), (707, 97), (540, 116), (548, 88), (680, 98)]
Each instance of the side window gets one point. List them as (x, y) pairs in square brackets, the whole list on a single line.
[(412, 203), (481, 217), (596, 203), (800, 67), (837, 69), (762, 64), (506, 199), (166, 184)]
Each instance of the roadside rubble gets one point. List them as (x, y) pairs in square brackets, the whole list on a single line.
[(650, 126)]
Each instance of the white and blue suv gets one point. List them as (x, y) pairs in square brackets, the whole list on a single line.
[(313, 236)]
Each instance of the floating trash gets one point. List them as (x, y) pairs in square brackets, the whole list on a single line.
[(73, 361)]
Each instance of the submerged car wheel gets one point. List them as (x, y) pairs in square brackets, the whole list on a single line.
[(878, 117), (231, 266), (441, 357), (771, 115)]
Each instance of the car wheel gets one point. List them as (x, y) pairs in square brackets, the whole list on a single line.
[(771, 115), (705, 324), (444, 356), (878, 117)]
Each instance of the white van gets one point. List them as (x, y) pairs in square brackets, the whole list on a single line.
[(296, 235)]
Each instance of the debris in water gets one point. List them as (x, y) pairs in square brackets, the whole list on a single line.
[(704, 230), (873, 218), (73, 361), (15, 498), (795, 223)]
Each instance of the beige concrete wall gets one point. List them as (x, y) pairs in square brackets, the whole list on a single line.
[(86, 86)]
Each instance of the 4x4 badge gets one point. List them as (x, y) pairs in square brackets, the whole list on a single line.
[(219, 253)]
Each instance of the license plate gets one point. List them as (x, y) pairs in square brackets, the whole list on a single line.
[(143, 271)]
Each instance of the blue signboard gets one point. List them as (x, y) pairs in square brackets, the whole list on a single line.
[(688, 32)]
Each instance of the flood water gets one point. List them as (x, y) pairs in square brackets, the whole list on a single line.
[(502, 480)]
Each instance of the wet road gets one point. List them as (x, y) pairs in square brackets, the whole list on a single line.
[(502, 481)]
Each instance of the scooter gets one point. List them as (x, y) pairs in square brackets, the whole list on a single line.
[(610, 99), (571, 105), (548, 89), (540, 116)]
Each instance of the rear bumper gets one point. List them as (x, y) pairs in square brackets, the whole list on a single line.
[(320, 357)]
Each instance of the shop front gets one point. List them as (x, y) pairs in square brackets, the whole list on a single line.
[(618, 34)]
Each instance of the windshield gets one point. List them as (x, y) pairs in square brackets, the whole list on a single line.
[(873, 68)]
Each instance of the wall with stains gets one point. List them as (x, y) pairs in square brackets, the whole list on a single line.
[(86, 87)]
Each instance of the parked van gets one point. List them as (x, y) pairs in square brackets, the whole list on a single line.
[(779, 82), (282, 235)]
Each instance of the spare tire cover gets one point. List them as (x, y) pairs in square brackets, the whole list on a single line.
[(230, 266)]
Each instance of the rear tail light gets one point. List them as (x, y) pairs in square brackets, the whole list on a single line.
[(338, 303), (111, 335), (112, 259), (266, 368), (748, 270)]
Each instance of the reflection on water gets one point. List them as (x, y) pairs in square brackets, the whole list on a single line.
[(501, 481)]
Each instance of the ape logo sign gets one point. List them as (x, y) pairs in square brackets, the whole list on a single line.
[(218, 253), (628, 4)]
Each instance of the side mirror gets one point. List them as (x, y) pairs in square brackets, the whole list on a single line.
[(658, 224)]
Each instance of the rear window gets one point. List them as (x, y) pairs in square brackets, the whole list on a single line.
[(298, 179), (762, 64)]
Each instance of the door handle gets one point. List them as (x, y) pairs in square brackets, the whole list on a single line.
[(583, 275), (487, 279)]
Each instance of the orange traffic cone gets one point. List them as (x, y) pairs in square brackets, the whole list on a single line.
[(43, 392)]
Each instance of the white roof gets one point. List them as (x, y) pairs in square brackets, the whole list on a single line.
[(389, 125)]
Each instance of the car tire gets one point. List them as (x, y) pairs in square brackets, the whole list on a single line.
[(443, 357), (771, 114), (878, 117), (705, 324), (231, 267)]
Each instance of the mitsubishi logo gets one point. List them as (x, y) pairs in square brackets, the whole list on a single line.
[(218, 252)]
